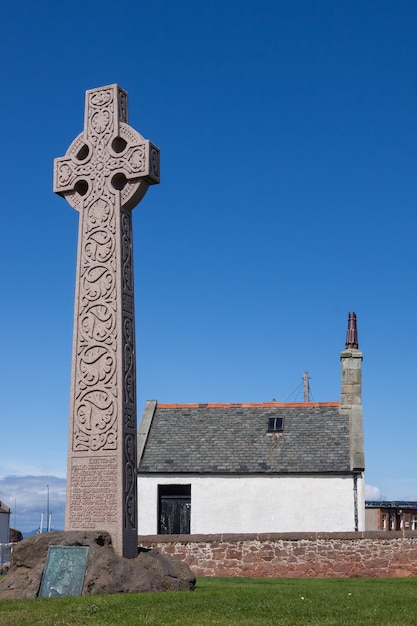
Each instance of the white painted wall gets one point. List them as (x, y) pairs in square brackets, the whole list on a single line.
[(361, 502), (258, 504)]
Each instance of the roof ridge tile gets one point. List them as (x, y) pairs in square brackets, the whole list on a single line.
[(245, 405)]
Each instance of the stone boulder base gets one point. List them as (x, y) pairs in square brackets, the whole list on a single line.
[(106, 572)]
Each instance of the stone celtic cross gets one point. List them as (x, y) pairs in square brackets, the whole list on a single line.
[(105, 172)]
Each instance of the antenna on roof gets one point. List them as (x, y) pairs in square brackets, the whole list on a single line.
[(297, 392), (306, 387)]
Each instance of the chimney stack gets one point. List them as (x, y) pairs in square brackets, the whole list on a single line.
[(351, 361), (351, 399)]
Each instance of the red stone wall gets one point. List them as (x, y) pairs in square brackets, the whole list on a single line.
[(298, 555)]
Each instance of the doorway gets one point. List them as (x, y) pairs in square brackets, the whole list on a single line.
[(174, 509)]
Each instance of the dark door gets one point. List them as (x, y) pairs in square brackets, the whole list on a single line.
[(174, 509)]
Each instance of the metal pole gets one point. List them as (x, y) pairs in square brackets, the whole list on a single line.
[(47, 508)]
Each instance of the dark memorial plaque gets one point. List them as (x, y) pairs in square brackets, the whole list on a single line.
[(64, 571)]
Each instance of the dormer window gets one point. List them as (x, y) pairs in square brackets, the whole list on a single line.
[(275, 424)]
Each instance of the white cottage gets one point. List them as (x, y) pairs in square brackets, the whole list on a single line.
[(257, 467)]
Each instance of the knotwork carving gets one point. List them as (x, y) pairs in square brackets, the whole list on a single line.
[(130, 482)]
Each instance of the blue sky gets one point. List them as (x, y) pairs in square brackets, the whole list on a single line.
[(288, 137)]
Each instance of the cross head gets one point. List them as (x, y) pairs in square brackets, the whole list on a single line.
[(109, 159)]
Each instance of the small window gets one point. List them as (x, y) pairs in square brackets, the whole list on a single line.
[(275, 424)]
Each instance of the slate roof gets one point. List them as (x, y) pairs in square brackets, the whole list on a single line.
[(232, 438)]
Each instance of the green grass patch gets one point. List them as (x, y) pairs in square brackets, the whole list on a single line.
[(230, 601)]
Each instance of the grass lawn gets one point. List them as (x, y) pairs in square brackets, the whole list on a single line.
[(224, 601)]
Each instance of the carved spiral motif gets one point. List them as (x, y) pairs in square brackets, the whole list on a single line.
[(96, 385), (129, 372), (155, 162), (99, 247), (96, 381), (130, 482)]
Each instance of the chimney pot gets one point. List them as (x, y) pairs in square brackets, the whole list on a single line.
[(352, 332)]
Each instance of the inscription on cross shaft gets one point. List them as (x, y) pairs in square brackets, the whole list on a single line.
[(105, 173)]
